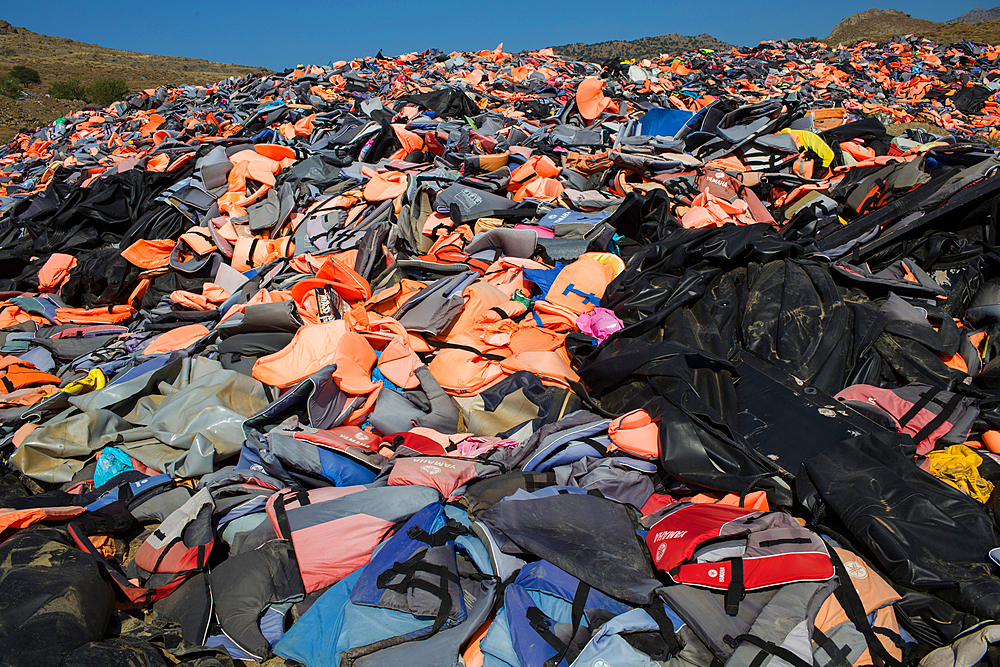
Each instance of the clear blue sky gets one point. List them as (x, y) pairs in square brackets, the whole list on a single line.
[(277, 35)]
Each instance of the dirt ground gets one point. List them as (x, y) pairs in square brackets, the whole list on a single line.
[(56, 58)]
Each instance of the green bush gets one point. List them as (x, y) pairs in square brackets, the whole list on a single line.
[(106, 91), (68, 89), (25, 75), (990, 140), (9, 87)]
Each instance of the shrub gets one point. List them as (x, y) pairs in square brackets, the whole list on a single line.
[(106, 91), (991, 140), (25, 75), (9, 87), (68, 89)]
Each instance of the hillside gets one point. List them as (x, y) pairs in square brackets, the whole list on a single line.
[(978, 14), (980, 25), (981, 31), (876, 25), (646, 47), (880, 24), (55, 57)]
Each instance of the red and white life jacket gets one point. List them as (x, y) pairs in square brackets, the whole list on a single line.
[(735, 549)]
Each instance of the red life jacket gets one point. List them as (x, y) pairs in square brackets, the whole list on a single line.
[(735, 549), (176, 550)]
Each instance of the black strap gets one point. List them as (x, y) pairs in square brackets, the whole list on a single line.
[(90, 524), (317, 237), (579, 603), (281, 516), (736, 590), (112, 570), (850, 601), (455, 346), (789, 540), (202, 556), (8, 385), (894, 637), (449, 247), (754, 481), (923, 402), (542, 625), (439, 537), (444, 609), (659, 615), (602, 450), (507, 582), (838, 654), (872, 334), (125, 493), (446, 227), (163, 554), (253, 248), (408, 569), (947, 410), (767, 647), (532, 483)]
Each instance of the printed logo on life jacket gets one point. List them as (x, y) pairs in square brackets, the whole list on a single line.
[(601, 663), (669, 535), (329, 303), (431, 470), (660, 550), (559, 218), (720, 573), (716, 178), (361, 439), (469, 198), (856, 570), (435, 463)]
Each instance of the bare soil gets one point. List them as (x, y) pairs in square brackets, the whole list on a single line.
[(56, 58), (877, 25)]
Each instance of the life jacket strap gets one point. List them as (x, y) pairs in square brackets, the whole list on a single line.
[(850, 601), (659, 615), (587, 296), (736, 590), (838, 654), (439, 537), (768, 648)]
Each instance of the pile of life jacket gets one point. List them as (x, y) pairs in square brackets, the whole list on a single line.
[(506, 360)]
